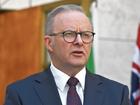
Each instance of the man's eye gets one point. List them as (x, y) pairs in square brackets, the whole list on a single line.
[(68, 34), (87, 34)]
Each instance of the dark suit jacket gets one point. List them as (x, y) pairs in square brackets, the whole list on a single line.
[(40, 89)]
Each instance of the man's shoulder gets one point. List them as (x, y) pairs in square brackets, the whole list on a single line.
[(27, 81), (108, 82), (112, 90), (111, 86)]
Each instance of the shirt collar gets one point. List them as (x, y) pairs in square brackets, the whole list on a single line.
[(81, 77), (61, 78)]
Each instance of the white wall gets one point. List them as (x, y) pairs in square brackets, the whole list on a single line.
[(115, 24)]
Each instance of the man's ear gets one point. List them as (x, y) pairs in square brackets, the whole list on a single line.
[(48, 42)]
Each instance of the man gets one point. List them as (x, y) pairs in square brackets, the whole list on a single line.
[(69, 36)]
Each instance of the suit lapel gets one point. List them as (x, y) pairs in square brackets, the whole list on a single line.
[(46, 89), (94, 93)]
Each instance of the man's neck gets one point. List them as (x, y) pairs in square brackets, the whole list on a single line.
[(69, 70)]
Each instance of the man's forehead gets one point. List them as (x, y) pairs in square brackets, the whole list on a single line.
[(72, 21), (70, 15), (77, 28)]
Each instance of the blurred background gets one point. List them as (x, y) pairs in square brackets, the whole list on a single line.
[(22, 50)]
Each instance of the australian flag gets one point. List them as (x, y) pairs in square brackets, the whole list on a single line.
[(135, 76)]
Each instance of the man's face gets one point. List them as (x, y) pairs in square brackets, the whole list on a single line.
[(64, 54)]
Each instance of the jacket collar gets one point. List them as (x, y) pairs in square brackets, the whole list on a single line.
[(94, 92), (46, 89)]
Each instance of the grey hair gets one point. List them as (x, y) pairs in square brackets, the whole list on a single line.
[(60, 9)]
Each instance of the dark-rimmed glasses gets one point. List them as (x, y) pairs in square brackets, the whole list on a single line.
[(70, 36)]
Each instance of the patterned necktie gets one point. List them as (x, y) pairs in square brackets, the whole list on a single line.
[(72, 95)]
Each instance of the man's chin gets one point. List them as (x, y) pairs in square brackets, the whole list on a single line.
[(78, 64)]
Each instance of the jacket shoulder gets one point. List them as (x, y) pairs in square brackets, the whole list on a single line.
[(107, 84), (27, 81)]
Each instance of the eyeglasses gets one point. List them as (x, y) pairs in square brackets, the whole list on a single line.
[(70, 36)]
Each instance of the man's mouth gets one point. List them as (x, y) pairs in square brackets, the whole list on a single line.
[(78, 53)]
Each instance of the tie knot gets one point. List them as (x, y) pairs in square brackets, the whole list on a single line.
[(72, 81)]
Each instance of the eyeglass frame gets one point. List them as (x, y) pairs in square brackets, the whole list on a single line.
[(76, 34)]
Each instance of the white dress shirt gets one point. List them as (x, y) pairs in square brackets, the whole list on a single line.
[(61, 81)]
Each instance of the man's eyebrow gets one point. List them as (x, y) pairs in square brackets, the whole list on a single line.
[(70, 28)]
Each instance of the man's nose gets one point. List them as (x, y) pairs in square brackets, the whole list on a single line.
[(78, 40)]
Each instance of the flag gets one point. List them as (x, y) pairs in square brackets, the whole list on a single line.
[(135, 76), (90, 64)]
